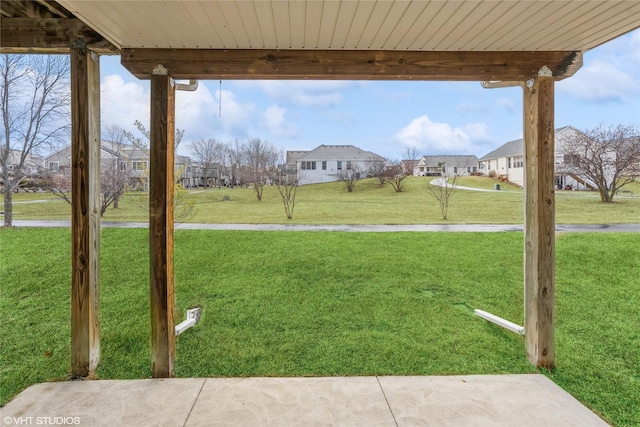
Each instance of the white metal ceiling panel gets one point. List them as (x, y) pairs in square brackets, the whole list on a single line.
[(442, 25)]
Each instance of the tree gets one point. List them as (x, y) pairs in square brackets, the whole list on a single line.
[(608, 156), (441, 189), (34, 100), (143, 142), (349, 176), (115, 172), (115, 177), (206, 152), (394, 175), (286, 181), (377, 168), (183, 206), (236, 158), (261, 158), (410, 159)]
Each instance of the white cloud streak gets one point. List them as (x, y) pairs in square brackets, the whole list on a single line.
[(441, 138)]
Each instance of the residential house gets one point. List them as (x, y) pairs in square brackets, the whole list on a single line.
[(446, 165), (32, 164), (508, 161), (327, 162), (114, 156)]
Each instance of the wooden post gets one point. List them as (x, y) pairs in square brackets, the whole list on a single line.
[(161, 181), (85, 209), (539, 252)]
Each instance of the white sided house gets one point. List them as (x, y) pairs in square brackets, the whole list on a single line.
[(508, 161), (327, 162), (446, 165)]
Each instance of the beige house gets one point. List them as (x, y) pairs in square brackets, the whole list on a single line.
[(508, 161), (446, 165)]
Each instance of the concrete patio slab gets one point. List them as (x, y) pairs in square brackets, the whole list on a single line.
[(157, 402), (352, 401), (473, 400), (484, 401)]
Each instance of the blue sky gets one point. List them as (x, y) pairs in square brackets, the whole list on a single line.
[(383, 117)]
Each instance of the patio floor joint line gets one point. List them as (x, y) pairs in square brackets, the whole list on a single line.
[(387, 400), (194, 403)]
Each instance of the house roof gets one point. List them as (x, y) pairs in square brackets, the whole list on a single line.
[(516, 147), (339, 152), (449, 160), (293, 156)]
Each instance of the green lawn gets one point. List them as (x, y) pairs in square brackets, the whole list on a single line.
[(314, 303), (370, 203)]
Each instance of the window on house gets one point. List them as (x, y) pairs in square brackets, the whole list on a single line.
[(53, 166), (518, 162), (339, 165), (509, 162), (348, 165), (455, 169), (324, 165), (307, 166), (122, 166), (139, 165)]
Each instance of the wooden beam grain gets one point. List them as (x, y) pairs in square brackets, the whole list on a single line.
[(539, 252), (161, 195), (49, 35), (348, 64), (85, 210)]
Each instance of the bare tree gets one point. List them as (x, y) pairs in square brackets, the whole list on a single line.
[(115, 177), (441, 189), (236, 158), (410, 158), (261, 157), (34, 98), (349, 176), (286, 179), (395, 175), (220, 158), (115, 172), (143, 142), (183, 205), (608, 156), (205, 152), (377, 168)]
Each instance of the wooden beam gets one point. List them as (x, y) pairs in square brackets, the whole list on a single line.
[(348, 64), (49, 35), (539, 257), (161, 181), (85, 210)]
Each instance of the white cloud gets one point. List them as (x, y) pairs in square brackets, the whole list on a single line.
[(320, 93), (230, 117), (274, 120), (200, 114), (600, 82), (441, 138), (123, 103)]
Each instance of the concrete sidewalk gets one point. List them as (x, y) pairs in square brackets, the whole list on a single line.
[(380, 228), (482, 400)]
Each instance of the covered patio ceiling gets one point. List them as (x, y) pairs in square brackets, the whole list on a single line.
[(327, 39)]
